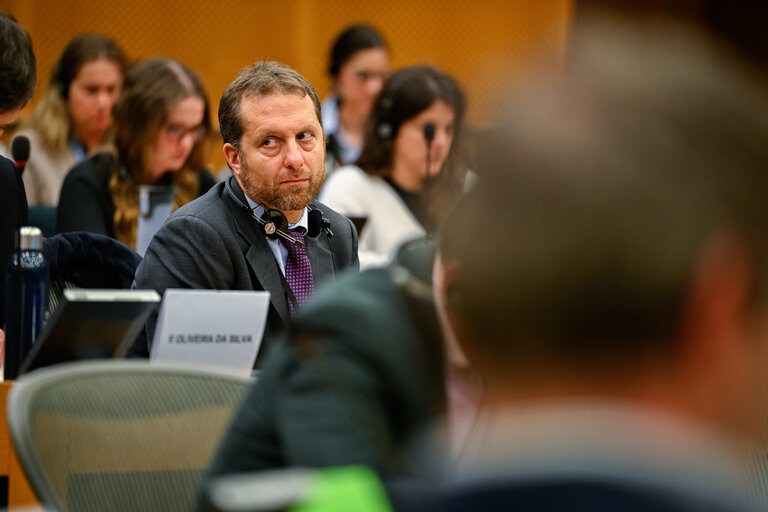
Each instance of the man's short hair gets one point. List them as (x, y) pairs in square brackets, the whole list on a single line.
[(598, 194), (262, 78), (18, 71)]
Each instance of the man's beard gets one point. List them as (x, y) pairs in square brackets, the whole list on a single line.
[(295, 197)]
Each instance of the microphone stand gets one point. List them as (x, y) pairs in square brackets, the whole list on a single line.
[(20, 153), (429, 135)]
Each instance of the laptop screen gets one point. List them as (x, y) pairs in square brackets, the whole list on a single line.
[(91, 324)]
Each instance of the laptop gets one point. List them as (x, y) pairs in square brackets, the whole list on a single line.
[(91, 324)]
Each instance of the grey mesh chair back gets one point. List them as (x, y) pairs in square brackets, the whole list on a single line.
[(119, 435)]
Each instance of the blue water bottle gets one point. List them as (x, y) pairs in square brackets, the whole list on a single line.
[(26, 298)]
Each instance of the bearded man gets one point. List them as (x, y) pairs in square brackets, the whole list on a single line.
[(261, 229)]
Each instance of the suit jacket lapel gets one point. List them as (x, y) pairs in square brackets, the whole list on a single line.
[(321, 258), (260, 257), (262, 261)]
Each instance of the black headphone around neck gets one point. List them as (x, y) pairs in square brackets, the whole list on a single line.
[(275, 225)]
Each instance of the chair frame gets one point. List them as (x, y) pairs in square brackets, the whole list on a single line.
[(20, 401)]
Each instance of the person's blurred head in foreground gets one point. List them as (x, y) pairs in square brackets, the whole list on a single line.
[(616, 246), (18, 72)]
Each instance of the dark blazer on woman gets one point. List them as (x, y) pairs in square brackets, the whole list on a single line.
[(85, 203)]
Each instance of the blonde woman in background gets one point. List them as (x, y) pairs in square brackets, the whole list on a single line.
[(161, 120), (73, 116)]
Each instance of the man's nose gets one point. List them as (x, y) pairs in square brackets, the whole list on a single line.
[(293, 157)]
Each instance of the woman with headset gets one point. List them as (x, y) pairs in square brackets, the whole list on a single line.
[(359, 64), (161, 121), (411, 168), (74, 115)]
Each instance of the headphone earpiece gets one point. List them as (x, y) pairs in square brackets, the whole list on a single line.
[(122, 172), (315, 222), (384, 129), (272, 222)]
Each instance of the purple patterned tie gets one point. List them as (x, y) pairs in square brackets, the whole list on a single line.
[(298, 270)]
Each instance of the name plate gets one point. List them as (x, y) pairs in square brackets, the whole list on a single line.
[(221, 328)]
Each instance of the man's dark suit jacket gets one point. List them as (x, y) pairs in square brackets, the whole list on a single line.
[(10, 196), (214, 243)]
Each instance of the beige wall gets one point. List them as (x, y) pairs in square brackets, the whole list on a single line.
[(218, 38)]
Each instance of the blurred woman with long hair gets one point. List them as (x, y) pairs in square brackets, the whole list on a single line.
[(74, 115), (161, 120)]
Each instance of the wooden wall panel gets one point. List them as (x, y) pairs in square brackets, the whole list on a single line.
[(472, 41)]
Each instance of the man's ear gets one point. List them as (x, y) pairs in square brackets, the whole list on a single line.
[(443, 275), (722, 339), (720, 289), (715, 322), (233, 158)]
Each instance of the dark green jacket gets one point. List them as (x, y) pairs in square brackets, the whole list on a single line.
[(360, 375)]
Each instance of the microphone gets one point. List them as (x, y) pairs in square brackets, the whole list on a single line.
[(20, 153), (429, 133), (17, 311), (429, 136)]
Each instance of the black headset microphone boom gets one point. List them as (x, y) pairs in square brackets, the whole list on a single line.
[(429, 136)]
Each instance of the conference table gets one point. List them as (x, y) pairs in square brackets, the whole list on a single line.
[(20, 495)]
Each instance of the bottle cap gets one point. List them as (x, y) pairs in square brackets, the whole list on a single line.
[(31, 239)]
